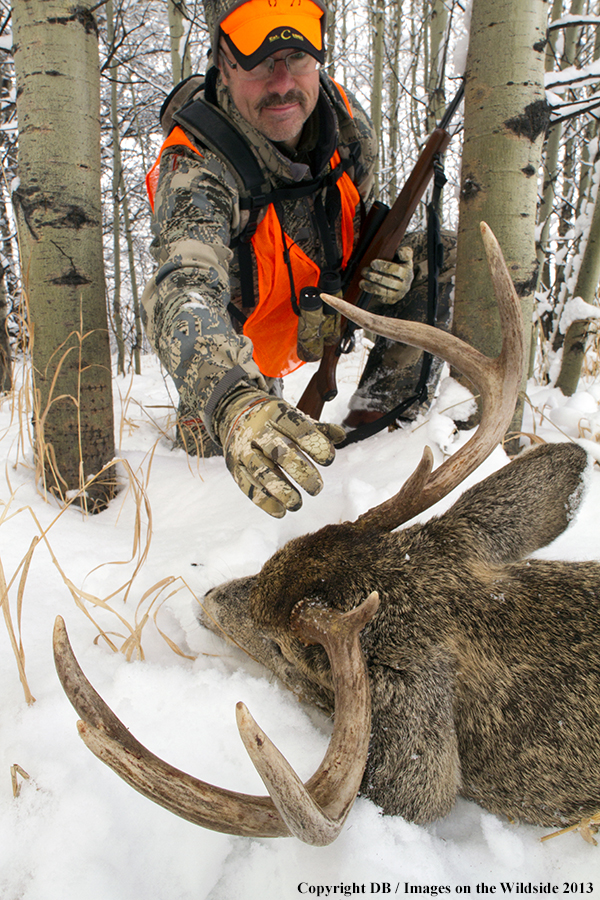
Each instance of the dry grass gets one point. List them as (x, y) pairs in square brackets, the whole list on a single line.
[(48, 473), (15, 772), (130, 620), (587, 828), (15, 636)]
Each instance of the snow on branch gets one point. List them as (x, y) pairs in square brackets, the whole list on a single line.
[(573, 76), (577, 310), (570, 21)]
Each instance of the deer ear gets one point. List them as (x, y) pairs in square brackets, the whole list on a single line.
[(419, 755), (523, 506)]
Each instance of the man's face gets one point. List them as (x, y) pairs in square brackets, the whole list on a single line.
[(277, 106)]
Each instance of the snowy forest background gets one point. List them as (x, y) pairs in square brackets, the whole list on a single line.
[(127, 580), (402, 59)]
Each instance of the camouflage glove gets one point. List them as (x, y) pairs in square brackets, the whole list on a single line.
[(389, 281), (263, 438)]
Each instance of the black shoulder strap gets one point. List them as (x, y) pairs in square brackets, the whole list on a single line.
[(203, 118), (214, 129)]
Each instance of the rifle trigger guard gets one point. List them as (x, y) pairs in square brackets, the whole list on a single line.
[(347, 343)]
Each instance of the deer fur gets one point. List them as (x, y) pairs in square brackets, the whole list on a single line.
[(484, 665)]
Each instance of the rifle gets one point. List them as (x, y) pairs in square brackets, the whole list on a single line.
[(381, 236)]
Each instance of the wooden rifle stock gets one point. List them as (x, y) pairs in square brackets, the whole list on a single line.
[(389, 236)]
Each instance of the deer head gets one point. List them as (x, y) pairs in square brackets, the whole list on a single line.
[(303, 613)]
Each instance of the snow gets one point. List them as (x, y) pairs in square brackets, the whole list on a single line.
[(577, 310), (76, 831), (562, 79), (570, 20)]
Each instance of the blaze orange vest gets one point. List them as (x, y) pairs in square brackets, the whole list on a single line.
[(273, 325)]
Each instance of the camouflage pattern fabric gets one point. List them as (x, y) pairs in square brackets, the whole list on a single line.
[(191, 434), (389, 280), (269, 444), (317, 328), (197, 216)]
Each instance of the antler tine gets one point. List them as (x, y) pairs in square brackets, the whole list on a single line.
[(315, 812), (497, 380), (188, 797), (304, 818)]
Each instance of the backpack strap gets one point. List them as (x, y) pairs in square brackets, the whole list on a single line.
[(206, 121), (215, 130), (202, 117)]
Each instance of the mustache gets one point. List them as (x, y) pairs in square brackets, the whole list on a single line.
[(293, 96)]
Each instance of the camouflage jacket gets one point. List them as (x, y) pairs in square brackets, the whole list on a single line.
[(196, 218)]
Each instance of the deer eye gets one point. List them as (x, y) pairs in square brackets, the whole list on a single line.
[(275, 648)]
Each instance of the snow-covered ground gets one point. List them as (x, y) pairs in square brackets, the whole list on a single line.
[(76, 831)]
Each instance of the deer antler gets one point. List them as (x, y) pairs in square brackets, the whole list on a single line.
[(497, 380), (314, 812)]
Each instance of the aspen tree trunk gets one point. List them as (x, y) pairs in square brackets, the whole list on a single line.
[(141, 137), (6, 239), (116, 183), (121, 204), (58, 205), (552, 171), (575, 341), (568, 149), (378, 23), (5, 368), (332, 7), (418, 49), (5, 267), (436, 97), (506, 117), (181, 64), (588, 277), (135, 297), (343, 48), (550, 160), (591, 128), (394, 97)]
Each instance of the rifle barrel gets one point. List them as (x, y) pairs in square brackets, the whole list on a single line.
[(390, 234), (453, 106), (384, 244)]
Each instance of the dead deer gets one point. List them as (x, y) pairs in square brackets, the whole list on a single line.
[(481, 667)]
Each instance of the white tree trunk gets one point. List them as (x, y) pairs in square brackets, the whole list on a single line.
[(180, 50), (59, 214), (506, 118)]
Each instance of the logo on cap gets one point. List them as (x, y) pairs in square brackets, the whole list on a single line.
[(285, 35)]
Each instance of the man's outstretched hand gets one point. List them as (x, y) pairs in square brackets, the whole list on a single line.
[(269, 444)]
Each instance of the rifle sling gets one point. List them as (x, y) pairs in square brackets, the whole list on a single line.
[(435, 260)]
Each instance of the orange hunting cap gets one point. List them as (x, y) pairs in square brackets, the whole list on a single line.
[(255, 29)]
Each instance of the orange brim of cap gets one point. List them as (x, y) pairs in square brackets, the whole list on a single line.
[(249, 24)]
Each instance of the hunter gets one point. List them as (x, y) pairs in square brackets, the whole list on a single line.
[(223, 308)]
